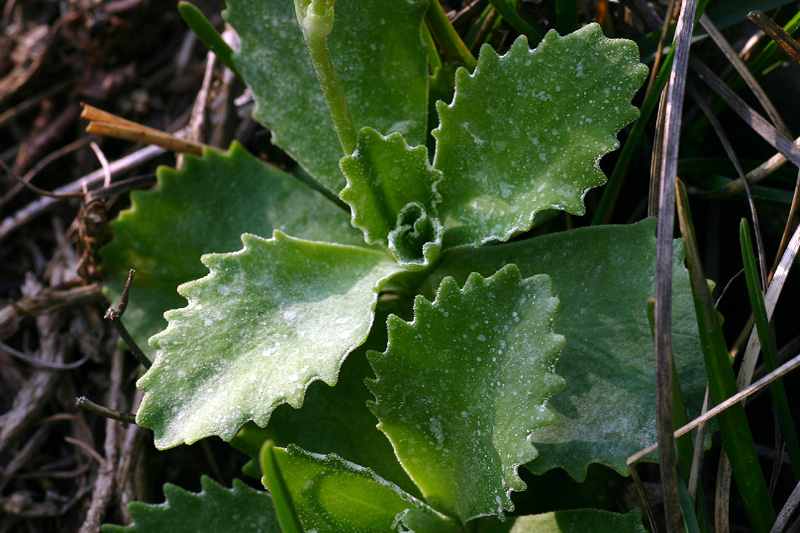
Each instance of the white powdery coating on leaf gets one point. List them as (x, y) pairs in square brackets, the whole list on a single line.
[(460, 389), (525, 131), (284, 328)]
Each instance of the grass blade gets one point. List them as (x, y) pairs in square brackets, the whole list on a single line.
[(768, 348), (447, 37), (509, 12), (208, 35), (737, 440)]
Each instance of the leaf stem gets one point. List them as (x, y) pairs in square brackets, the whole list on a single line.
[(316, 20)]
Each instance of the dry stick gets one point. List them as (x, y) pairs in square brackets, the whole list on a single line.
[(32, 102), (103, 163), (663, 308), (129, 454), (721, 514), (660, 48), (104, 484), (42, 205), (40, 386), (85, 403), (729, 151), (197, 118), (745, 73), (770, 301), (47, 300), (36, 363), (49, 158), (758, 123), (115, 316), (698, 453), (485, 28), (27, 454), (722, 494), (788, 509), (104, 123), (779, 372), (762, 171), (777, 34), (21, 181)]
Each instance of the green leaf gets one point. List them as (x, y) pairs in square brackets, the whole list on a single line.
[(526, 130), (207, 34), (569, 521), (336, 420), (331, 494), (237, 510), (203, 208), (274, 481), (460, 389), (380, 59), (391, 190), (602, 276), (267, 321)]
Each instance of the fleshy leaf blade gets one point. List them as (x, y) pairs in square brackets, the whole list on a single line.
[(267, 321), (391, 190), (568, 521), (237, 510), (379, 57), (204, 208), (336, 420), (602, 276), (331, 494), (526, 131), (460, 389)]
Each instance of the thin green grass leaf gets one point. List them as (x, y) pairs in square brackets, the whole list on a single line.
[(566, 16), (687, 508), (439, 25), (768, 348), (736, 436), (208, 35), (508, 10)]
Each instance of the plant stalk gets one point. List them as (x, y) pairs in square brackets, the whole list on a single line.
[(316, 20)]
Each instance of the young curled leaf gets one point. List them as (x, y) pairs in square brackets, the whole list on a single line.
[(391, 190)]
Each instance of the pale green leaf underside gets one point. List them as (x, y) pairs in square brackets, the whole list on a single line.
[(569, 521), (526, 131), (391, 190), (602, 277), (237, 510), (380, 59), (266, 321), (460, 389), (203, 208), (330, 494)]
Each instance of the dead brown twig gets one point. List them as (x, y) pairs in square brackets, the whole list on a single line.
[(103, 123)]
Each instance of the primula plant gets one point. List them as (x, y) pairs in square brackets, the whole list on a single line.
[(379, 314)]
